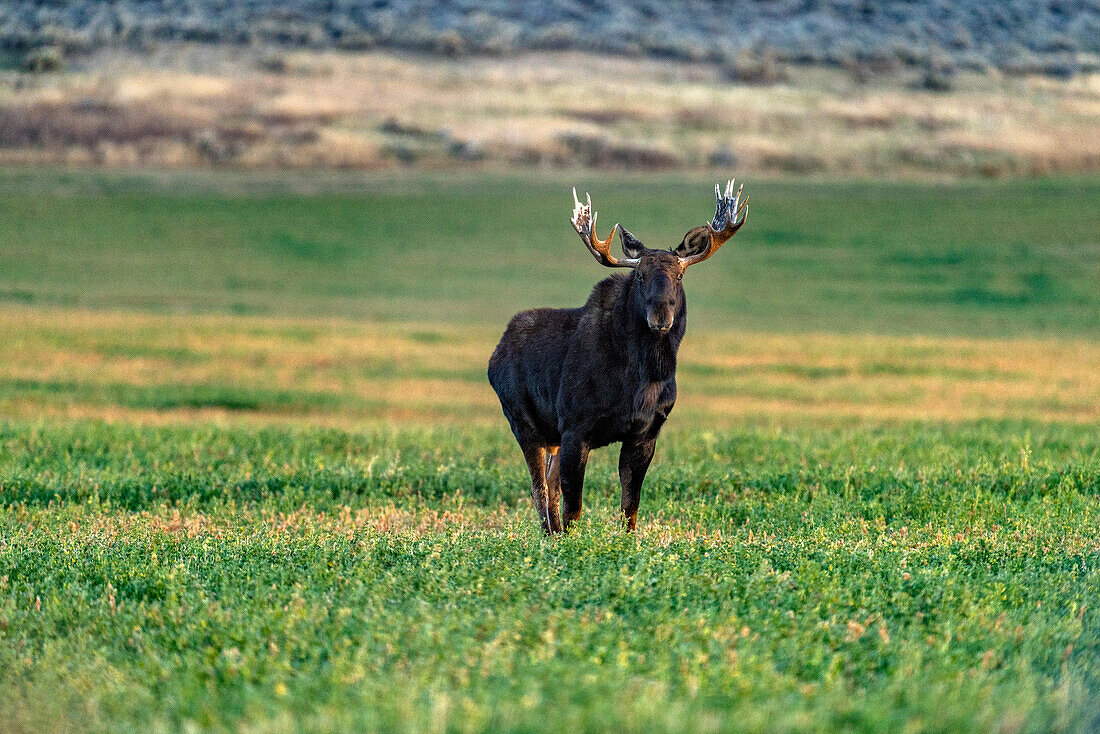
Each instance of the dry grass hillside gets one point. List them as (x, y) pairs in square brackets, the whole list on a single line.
[(223, 106)]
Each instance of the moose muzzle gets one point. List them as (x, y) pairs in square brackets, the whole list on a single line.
[(660, 319)]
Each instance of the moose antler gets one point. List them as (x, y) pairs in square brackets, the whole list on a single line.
[(729, 214), (584, 221)]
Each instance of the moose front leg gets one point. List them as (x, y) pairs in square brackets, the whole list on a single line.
[(633, 463), (573, 459)]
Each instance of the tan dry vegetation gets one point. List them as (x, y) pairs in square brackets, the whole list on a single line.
[(187, 107), (349, 523), (456, 517), (339, 373)]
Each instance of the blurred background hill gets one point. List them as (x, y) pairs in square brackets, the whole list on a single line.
[(851, 88), (402, 106), (1059, 38)]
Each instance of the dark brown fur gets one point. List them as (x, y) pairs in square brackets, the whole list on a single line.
[(586, 377), (574, 379)]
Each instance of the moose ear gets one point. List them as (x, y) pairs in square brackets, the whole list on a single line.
[(694, 242), (632, 246)]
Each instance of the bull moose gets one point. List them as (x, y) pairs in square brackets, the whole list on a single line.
[(575, 379)]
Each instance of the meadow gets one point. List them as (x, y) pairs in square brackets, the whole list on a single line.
[(252, 477)]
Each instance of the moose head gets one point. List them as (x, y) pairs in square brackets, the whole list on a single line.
[(657, 289)]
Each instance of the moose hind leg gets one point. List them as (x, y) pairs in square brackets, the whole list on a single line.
[(574, 459), (536, 464), (553, 485)]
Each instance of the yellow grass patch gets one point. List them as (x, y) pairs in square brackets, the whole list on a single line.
[(340, 373)]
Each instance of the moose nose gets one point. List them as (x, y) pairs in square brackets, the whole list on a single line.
[(659, 326)]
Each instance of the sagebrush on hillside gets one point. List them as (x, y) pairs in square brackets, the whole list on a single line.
[(1059, 39)]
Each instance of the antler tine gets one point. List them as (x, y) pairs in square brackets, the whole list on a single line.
[(584, 222), (730, 213)]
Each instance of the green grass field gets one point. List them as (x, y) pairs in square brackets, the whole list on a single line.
[(989, 259), (252, 477)]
